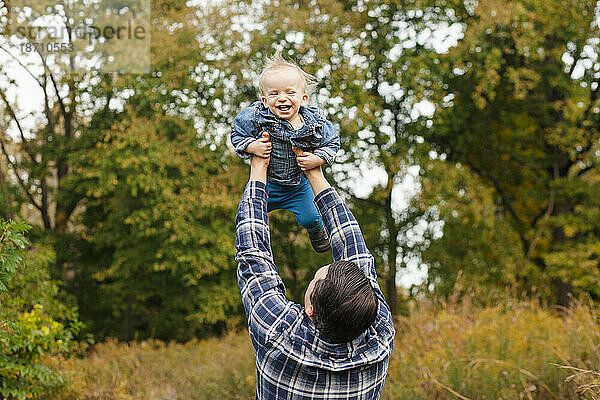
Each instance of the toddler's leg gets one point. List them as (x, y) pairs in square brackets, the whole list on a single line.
[(307, 215), (304, 209), (299, 200)]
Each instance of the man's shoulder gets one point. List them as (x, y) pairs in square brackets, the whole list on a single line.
[(299, 360), (301, 342), (273, 315)]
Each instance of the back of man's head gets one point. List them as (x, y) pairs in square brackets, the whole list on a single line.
[(344, 302)]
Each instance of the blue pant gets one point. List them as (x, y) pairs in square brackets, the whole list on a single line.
[(297, 199)]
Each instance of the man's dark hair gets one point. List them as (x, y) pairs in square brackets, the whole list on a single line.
[(344, 302)]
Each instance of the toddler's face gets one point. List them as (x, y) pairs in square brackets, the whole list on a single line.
[(284, 93)]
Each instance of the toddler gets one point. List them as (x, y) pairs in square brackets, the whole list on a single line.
[(279, 125)]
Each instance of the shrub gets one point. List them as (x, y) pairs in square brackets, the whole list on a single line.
[(25, 335)]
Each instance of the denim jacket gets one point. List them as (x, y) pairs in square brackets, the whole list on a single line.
[(317, 135)]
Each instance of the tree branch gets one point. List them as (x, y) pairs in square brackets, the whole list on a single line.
[(538, 233), (56, 89), (586, 169), (547, 214), (70, 209), (19, 179), (47, 105), (19, 127), (22, 65), (593, 98), (45, 217), (505, 200), (537, 217), (498, 187), (575, 61)]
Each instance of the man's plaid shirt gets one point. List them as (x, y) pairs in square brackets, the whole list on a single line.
[(292, 360)]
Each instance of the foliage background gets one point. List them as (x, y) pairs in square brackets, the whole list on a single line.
[(470, 148)]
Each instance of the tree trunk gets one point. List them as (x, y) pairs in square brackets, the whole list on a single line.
[(392, 249), (564, 292), (127, 318), (6, 214), (391, 278)]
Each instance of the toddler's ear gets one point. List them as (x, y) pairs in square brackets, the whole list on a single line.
[(264, 101), (304, 99)]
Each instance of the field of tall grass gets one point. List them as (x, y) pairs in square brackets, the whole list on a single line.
[(452, 350)]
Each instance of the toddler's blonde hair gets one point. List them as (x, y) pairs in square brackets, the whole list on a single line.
[(277, 61)]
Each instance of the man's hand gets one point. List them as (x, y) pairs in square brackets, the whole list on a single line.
[(307, 160), (317, 181), (261, 147)]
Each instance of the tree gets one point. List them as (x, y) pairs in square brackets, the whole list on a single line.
[(36, 159), (162, 260), (141, 165), (475, 241), (521, 112)]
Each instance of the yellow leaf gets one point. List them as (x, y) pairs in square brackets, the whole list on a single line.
[(570, 231)]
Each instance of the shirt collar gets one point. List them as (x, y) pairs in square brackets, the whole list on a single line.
[(313, 116)]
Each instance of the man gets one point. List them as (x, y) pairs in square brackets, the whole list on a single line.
[(338, 345)]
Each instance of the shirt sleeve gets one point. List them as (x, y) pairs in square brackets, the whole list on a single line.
[(347, 242), (243, 131), (330, 143), (261, 287)]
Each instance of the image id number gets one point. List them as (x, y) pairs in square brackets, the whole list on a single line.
[(49, 47)]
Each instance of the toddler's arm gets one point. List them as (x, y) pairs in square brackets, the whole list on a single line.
[(330, 143), (244, 136)]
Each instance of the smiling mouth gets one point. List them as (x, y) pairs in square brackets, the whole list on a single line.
[(284, 108)]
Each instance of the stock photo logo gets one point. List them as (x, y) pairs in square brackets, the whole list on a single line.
[(113, 36)]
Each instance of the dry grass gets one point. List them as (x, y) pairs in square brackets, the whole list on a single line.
[(456, 350), (587, 382), (151, 370), (507, 351)]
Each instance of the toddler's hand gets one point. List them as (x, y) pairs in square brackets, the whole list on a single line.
[(261, 147), (306, 160)]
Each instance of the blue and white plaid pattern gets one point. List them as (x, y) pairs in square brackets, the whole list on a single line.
[(292, 360)]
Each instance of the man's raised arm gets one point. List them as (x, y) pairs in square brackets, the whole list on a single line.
[(257, 274)]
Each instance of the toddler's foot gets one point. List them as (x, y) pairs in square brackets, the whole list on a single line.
[(319, 241)]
